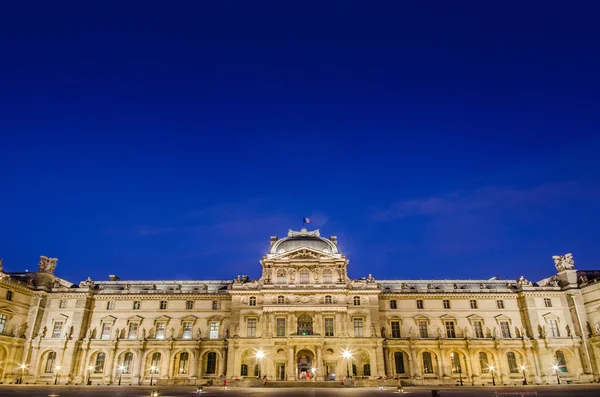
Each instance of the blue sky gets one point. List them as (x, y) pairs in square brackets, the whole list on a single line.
[(169, 142)]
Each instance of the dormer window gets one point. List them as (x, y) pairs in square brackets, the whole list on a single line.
[(252, 301), (357, 301)]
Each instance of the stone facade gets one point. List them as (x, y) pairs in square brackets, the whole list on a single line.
[(303, 313)]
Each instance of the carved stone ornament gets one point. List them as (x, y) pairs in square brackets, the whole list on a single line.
[(303, 254), (47, 265), (304, 233), (564, 262)]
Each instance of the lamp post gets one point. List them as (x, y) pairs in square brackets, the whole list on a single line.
[(347, 355), (456, 366), (260, 354), (90, 368), (58, 367), (152, 369), (524, 377), (313, 370), (492, 372), (22, 366), (556, 372), (121, 368)]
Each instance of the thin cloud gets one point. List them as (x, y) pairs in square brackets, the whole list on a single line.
[(480, 199)]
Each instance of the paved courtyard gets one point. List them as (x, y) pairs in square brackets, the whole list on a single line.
[(116, 391)]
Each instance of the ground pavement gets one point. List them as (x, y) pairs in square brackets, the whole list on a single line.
[(129, 391)]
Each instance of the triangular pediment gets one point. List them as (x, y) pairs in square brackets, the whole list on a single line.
[(108, 319), (304, 253), (162, 318), (189, 318), (502, 317), (134, 319)]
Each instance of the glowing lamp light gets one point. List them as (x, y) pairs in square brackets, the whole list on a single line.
[(121, 367), (260, 354), (91, 367), (555, 367), (346, 354), (313, 370), (58, 367), (522, 368), (491, 367), (22, 366)]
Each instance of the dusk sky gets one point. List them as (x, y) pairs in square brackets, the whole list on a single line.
[(437, 140)]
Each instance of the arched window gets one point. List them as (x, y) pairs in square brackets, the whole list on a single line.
[(353, 369), (561, 362), (99, 365), (304, 276), (427, 363), (281, 279), (252, 301), (399, 362), (280, 299), (367, 370), (512, 363), (484, 363), (305, 325), (328, 300), (127, 360), (211, 363), (184, 358), (356, 301), (244, 370), (155, 362), (455, 363), (256, 370), (327, 277), (50, 360)]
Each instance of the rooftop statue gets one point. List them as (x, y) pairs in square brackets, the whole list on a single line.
[(564, 262), (47, 265)]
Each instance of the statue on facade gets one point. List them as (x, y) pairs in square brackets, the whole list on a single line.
[(127, 286), (143, 333), (373, 330), (17, 331), (226, 332), (237, 330), (30, 282), (68, 332), (370, 279), (117, 333), (383, 334), (597, 327), (439, 333), (568, 329), (583, 280), (56, 284), (564, 262), (172, 333), (411, 332), (522, 281), (47, 265)]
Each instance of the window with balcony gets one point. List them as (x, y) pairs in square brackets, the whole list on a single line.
[(187, 330), (214, 330), (280, 326), (251, 327), (395, 329), (329, 326), (358, 327), (57, 330), (305, 325)]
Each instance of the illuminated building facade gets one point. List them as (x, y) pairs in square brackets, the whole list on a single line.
[(303, 313)]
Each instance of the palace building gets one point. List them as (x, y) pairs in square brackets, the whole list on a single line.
[(302, 316)]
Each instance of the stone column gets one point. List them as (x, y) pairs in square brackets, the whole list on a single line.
[(291, 367), (442, 367), (413, 363), (386, 361), (320, 365)]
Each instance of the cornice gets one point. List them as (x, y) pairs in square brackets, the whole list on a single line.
[(116, 297)]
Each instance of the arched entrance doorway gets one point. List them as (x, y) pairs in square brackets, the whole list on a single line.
[(305, 360)]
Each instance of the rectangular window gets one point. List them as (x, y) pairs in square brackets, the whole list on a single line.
[(57, 331), (329, 327), (505, 329), (183, 362), (133, 330), (356, 301), (446, 304), (473, 304), (189, 305), (395, 329), (548, 302), (99, 367), (358, 327), (478, 328), (211, 363), (187, 330), (127, 363), (251, 325), (163, 305), (500, 304), (136, 305), (328, 300), (160, 330), (214, 330), (427, 363), (304, 276), (105, 331), (419, 303), (399, 362), (216, 305), (9, 295), (50, 362), (423, 329), (553, 325), (62, 304), (110, 305), (281, 327), (450, 330), (3, 320), (393, 304)]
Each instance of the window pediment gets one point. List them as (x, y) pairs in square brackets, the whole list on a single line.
[(189, 318), (550, 316), (108, 319), (135, 319), (448, 317), (474, 317), (421, 317), (502, 317), (162, 319)]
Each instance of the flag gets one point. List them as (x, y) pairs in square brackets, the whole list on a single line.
[(307, 220)]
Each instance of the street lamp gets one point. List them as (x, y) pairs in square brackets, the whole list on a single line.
[(22, 366), (90, 368), (260, 354), (58, 367), (524, 377), (152, 369), (121, 368), (456, 366), (555, 367), (347, 355), (313, 370), (492, 372)]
